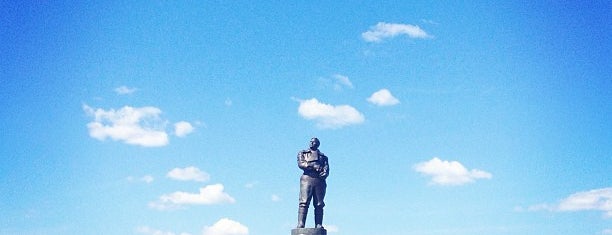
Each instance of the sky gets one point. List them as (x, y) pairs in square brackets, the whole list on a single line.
[(186, 117)]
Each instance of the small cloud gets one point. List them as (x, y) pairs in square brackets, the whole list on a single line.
[(426, 21), (208, 195), (342, 81), (331, 228), (383, 97), (226, 226), (275, 198), (188, 173), (329, 116), (182, 128), (150, 231), (228, 102), (135, 126), (251, 185), (384, 30), (597, 200), (449, 172), (146, 179), (336, 81), (124, 90), (606, 231)]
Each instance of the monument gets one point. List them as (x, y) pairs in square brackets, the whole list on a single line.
[(312, 188)]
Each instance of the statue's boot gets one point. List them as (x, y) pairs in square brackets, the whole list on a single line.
[(318, 216), (302, 212)]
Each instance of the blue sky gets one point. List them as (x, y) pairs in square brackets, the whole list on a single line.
[(175, 118)]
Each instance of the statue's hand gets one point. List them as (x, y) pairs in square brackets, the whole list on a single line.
[(316, 167), (323, 174)]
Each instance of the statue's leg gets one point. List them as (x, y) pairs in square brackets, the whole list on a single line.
[(306, 192), (319, 195)]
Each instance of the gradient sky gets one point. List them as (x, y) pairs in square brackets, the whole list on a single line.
[(180, 117)]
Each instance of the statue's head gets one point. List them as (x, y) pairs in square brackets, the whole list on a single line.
[(314, 143)]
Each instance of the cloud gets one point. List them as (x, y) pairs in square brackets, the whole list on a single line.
[(606, 231), (124, 90), (135, 126), (275, 198), (342, 81), (147, 179), (331, 228), (182, 128), (208, 195), (188, 173), (596, 199), (329, 116), (226, 226), (150, 231), (228, 102), (449, 172), (251, 185), (383, 97), (337, 81), (384, 30)]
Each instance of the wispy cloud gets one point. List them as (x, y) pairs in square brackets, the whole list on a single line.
[(593, 200), (124, 90), (331, 228), (449, 172), (337, 81), (187, 174), (329, 116), (343, 80), (384, 30), (226, 226), (151, 231), (147, 179), (228, 102), (251, 185), (208, 195), (275, 198), (135, 126), (383, 97), (182, 128)]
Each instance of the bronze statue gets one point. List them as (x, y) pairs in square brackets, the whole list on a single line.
[(312, 182)]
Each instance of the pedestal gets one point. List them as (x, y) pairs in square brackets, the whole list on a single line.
[(308, 231)]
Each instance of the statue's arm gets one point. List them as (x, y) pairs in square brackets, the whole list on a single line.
[(325, 168), (302, 163)]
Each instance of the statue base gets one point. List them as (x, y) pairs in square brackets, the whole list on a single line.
[(308, 231)]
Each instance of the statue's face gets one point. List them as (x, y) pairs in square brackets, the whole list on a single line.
[(314, 143)]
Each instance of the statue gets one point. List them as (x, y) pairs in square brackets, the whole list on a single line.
[(312, 183)]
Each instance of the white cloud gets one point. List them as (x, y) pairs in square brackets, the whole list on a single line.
[(150, 231), (329, 116), (384, 30), (449, 172), (383, 97), (147, 179), (606, 231), (336, 81), (124, 90), (135, 126), (596, 199), (188, 173), (228, 102), (342, 80), (251, 185), (275, 198), (331, 228), (208, 195), (182, 128), (226, 226)]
